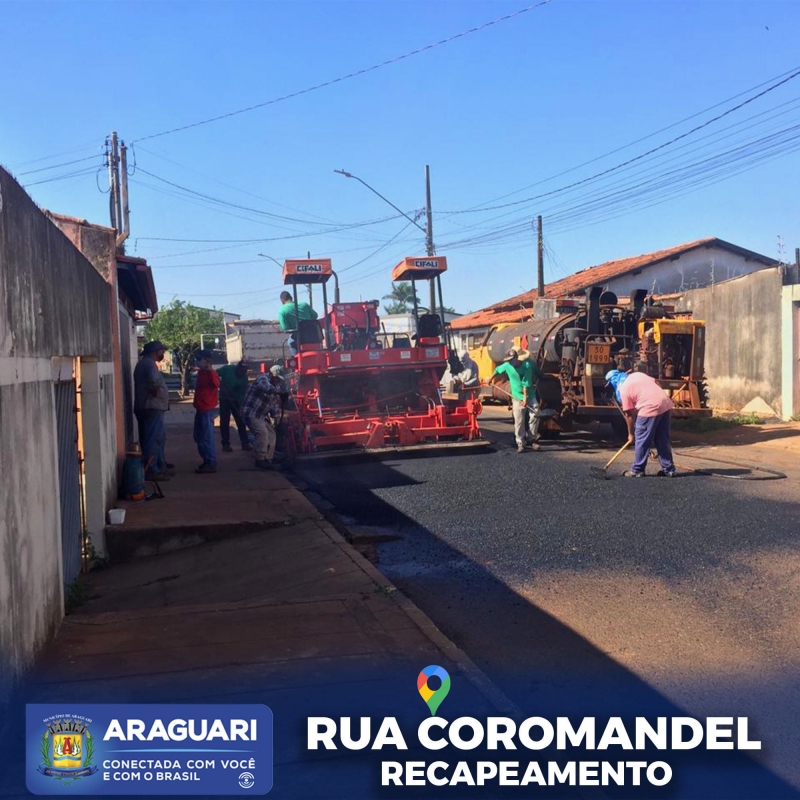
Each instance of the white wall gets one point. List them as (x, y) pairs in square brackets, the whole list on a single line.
[(790, 351), (695, 269)]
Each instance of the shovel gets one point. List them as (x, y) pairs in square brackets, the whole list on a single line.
[(602, 472)]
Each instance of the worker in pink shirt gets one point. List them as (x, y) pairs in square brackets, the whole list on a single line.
[(647, 411)]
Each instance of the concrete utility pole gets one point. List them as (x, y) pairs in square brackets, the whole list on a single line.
[(112, 180), (125, 220), (116, 200), (539, 257), (431, 250)]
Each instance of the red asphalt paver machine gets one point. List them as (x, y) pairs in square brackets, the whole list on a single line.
[(358, 389)]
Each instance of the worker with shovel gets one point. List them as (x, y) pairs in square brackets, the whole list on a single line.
[(647, 411), (522, 375)]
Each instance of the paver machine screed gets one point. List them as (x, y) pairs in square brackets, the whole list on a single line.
[(356, 388)]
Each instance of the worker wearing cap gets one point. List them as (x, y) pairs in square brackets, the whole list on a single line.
[(522, 375), (288, 317), (261, 410), (647, 411), (150, 403), (206, 398)]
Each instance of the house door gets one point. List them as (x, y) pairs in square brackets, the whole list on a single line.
[(69, 479)]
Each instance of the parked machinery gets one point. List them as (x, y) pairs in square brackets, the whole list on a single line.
[(575, 350), (355, 388)]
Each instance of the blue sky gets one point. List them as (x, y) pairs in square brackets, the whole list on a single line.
[(508, 107)]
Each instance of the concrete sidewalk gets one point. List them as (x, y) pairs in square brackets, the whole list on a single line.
[(234, 588)]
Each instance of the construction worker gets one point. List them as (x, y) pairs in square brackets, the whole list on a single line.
[(647, 411), (206, 399), (261, 411), (232, 389), (468, 377), (288, 319), (151, 402), (522, 375)]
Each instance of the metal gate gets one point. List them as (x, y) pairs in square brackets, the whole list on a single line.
[(69, 480)]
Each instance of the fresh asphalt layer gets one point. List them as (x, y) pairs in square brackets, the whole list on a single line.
[(580, 596)]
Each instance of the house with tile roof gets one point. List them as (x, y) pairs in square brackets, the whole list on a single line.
[(691, 265)]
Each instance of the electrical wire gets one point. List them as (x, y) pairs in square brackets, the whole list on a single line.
[(56, 166), (61, 177), (55, 155), (235, 205), (349, 76), (277, 238), (228, 185), (375, 252), (629, 144), (794, 74)]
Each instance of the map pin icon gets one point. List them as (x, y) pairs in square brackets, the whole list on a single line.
[(433, 697)]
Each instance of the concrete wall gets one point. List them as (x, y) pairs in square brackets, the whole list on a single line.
[(53, 304), (744, 355)]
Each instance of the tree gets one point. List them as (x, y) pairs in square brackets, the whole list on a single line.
[(178, 326), (402, 297)]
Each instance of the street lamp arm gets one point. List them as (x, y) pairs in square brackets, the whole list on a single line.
[(262, 255), (385, 200)]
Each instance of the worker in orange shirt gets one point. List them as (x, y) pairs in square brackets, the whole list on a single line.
[(206, 399)]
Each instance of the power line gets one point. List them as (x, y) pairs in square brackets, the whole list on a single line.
[(629, 144), (639, 157), (56, 155), (350, 75), (375, 252), (56, 166), (276, 238), (61, 177), (234, 205), (228, 185)]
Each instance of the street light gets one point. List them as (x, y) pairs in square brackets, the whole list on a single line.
[(385, 200), (427, 230)]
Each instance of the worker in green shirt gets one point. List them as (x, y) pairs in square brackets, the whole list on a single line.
[(522, 375), (287, 319), (232, 389)]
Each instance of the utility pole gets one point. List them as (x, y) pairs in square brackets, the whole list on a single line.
[(116, 216), (112, 183), (431, 250), (539, 257), (308, 286), (125, 221)]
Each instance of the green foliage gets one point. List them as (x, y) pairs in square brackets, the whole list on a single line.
[(179, 326), (44, 747), (402, 300), (716, 423), (402, 297), (77, 595)]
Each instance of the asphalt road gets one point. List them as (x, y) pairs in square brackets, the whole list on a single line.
[(579, 596)]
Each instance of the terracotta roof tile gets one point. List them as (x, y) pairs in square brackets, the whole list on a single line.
[(519, 308)]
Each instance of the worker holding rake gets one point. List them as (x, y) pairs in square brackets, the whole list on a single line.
[(647, 411), (522, 375)]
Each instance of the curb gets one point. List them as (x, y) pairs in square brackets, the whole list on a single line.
[(469, 669)]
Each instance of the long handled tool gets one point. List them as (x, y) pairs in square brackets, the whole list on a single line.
[(602, 472)]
